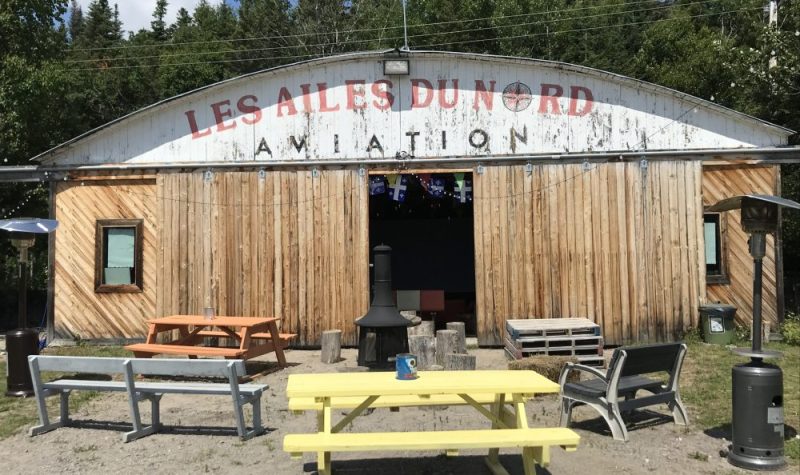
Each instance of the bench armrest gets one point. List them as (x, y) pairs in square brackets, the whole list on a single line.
[(562, 379)]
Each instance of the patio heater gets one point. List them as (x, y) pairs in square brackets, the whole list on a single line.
[(757, 419), (23, 341)]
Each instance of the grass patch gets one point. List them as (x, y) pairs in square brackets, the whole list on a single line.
[(16, 413), (706, 387)]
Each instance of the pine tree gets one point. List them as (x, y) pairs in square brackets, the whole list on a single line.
[(158, 24)]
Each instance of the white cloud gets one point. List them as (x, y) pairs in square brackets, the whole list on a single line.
[(137, 14)]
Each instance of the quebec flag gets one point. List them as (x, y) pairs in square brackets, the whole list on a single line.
[(398, 185), (463, 188), (436, 187), (376, 185)]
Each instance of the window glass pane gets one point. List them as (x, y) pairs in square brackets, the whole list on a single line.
[(120, 247), (711, 242)]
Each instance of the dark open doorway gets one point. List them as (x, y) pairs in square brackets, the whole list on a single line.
[(427, 220)]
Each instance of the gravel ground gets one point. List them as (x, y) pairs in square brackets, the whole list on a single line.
[(199, 437)]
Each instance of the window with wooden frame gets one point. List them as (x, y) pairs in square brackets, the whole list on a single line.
[(714, 233), (118, 255)]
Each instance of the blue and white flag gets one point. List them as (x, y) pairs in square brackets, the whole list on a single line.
[(463, 188), (377, 186), (436, 187), (398, 185)]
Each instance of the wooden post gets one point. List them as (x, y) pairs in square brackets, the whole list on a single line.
[(424, 348), (462, 335), (446, 343), (331, 346), (459, 361), (425, 328)]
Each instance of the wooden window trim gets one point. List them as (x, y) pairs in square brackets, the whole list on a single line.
[(722, 278), (101, 224)]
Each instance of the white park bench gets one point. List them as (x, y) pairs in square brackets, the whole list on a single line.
[(138, 391)]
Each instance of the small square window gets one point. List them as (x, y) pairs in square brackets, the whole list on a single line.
[(118, 255), (713, 232)]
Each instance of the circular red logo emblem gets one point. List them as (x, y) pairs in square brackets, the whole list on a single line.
[(517, 97)]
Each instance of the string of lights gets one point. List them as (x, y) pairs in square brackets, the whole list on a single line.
[(10, 212)]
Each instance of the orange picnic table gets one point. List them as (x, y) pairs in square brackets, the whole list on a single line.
[(255, 336)]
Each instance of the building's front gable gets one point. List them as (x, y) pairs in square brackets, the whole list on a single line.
[(448, 106)]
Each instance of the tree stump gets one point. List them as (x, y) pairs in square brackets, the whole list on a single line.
[(425, 328), (424, 348), (462, 335), (331, 346), (446, 343), (459, 362)]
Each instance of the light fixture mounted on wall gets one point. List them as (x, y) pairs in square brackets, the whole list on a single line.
[(396, 67)]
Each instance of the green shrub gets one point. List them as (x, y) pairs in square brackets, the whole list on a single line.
[(791, 329), (692, 335)]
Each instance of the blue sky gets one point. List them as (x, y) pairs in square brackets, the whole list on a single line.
[(137, 14)]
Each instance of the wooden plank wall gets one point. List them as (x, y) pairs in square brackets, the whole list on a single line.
[(289, 244), (620, 244), (79, 312), (725, 181)]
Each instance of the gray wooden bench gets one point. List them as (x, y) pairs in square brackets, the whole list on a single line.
[(138, 391), (624, 379)]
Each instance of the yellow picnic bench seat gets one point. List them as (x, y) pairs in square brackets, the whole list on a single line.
[(451, 441), (145, 349), (299, 404)]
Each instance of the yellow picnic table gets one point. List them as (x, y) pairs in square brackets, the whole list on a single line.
[(507, 391)]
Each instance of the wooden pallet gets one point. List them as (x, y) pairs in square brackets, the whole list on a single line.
[(576, 337)]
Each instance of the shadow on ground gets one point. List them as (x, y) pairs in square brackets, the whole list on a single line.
[(635, 420), (435, 465)]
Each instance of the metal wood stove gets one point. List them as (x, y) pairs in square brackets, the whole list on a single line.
[(382, 332)]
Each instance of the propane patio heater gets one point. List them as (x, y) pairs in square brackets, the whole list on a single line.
[(757, 419), (23, 341)]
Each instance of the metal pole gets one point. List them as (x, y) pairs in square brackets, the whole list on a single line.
[(22, 311), (757, 264), (405, 28)]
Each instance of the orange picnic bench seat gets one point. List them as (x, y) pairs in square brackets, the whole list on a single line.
[(149, 349)]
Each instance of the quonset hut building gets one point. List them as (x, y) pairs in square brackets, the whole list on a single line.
[(507, 188)]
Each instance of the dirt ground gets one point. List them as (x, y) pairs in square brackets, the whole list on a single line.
[(199, 437)]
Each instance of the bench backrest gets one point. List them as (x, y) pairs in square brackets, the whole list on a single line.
[(647, 359), (155, 366)]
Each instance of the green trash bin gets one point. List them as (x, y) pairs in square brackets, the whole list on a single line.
[(717, 323)]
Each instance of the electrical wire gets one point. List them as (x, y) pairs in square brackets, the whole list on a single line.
[(380, 39), (299, 35), (479, 40)]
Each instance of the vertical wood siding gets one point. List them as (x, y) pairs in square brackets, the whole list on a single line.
[(723, 182), (79, 311), (289, 245), (618, 244)]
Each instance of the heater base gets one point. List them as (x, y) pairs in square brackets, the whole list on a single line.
[(738, 457)]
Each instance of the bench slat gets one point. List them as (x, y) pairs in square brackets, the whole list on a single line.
[(155, 348), (153, 387), (266, 336), (437, 440), (349, 402)]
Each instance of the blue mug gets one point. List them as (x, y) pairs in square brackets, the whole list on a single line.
[(406, 365)]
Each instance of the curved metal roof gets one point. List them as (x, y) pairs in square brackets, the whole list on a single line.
[(555, 65)]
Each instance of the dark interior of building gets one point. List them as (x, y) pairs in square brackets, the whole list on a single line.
[(432, 241)]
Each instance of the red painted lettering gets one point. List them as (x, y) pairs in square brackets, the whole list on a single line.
[(250, 108), (306, 88), (323, 98), (220, 115), (482, 93), (416, 86), (385, 98), (285, 101), (196, 134), (550, 98), (353, 92), (574, 92), (442, 99)]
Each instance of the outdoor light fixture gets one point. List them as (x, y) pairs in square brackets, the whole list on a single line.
[(23, 341), (395, 67), (757, 419)]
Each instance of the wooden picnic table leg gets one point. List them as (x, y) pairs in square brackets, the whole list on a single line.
[(324, 425), (276, 343)]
